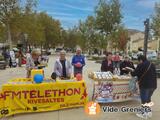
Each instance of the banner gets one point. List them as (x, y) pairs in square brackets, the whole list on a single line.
[(2, 113), (111, 91), (22, 98)]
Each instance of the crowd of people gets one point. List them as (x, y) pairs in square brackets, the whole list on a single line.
[(145, 70), (62, 66), (116, 64)]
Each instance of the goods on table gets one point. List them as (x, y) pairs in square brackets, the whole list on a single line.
[(121, 77), (101, 75), (107, 76)]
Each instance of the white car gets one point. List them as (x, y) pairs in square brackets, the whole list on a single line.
[(152, 55)]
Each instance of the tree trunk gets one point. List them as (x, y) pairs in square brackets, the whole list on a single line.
[(9, 38), (102, 51)]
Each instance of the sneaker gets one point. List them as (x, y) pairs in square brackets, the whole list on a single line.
[(149, 114), (142, 115)]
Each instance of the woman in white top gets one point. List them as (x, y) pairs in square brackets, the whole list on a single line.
[(62, 66)]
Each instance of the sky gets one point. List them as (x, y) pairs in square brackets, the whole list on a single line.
[(69, 12)]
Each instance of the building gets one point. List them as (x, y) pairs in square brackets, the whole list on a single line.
[(137, 41), (154, 44)]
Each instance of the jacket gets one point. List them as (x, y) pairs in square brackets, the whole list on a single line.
[(105, 67), (58, 68), (78, 58), (149, 80), (126, 64)]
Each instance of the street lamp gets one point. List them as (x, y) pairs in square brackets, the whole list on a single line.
[(146, 24)]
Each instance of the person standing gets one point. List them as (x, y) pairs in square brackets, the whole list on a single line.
[(147, 80), (78, 62), (117, 61), (6, 56), (62, 67), (32, 61), (107, 64)]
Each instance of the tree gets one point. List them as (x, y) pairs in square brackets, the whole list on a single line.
[(123, 38), (156, 21), (52, 29), (2, 33), (8, 10), (108, 16), (119, 38)]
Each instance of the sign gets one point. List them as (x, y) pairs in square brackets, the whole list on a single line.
[(111, 91), (22, 98)]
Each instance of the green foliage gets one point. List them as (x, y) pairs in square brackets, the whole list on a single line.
[(43, 30), (22, 19), (96, 30), (119, 38), (156, 20), (108, 15)]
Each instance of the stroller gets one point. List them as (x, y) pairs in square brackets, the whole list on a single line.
[(12, 60)]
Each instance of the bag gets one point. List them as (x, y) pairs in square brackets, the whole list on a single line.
[(132, 84), (24, 61), (133, 81)]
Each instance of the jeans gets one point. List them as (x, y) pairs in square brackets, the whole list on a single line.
[(146, 94)]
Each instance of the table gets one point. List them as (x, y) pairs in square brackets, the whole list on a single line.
[(29, 97), (111, 91), (111, 88)]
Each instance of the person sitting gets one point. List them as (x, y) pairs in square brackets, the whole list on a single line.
[(32, 61), (62, 67), (107, 64), (124, 64)]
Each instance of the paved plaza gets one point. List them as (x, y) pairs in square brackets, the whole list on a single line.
[(77, 113)]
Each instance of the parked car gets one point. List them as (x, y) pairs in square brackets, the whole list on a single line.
[(152, 55), (58, 49)]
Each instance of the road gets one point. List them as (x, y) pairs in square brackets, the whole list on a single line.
[(77, 113)]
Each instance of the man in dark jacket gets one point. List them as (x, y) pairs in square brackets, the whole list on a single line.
[(124, 64), (146, 73)]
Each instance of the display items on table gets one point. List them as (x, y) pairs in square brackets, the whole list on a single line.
[(107, 76), (99, 76)]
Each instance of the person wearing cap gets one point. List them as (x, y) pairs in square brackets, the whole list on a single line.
[(62, 67), (107, 64), (32, 61), (124, 64), (78, 62)]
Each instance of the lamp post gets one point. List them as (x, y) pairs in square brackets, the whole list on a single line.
[(146, 24)]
